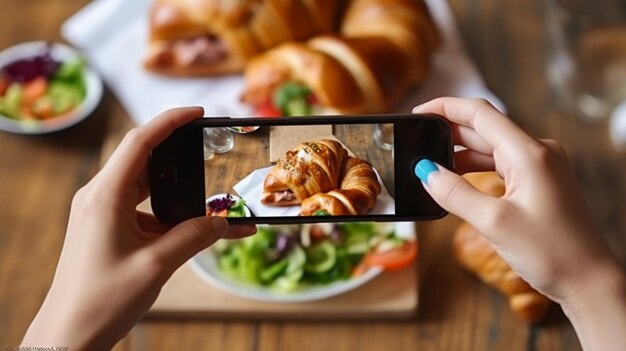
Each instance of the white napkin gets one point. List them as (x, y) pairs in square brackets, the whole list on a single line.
[(113, 35), (250, 189)]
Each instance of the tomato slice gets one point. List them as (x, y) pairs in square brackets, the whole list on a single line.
[(394, 259), (267, 109)]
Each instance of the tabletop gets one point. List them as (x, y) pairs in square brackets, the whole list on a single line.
[(507, 40)]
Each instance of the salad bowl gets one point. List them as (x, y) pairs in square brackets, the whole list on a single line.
[(45, 87), (257, 278)]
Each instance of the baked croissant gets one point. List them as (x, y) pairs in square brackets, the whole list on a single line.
[(356, 195), (320, 175), (312, 167), (381, 50), (210, 37), (477, 255)]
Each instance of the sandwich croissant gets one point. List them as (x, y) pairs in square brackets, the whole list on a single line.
[(324, 179), (381, 50)]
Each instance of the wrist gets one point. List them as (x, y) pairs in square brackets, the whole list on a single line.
[(597, 309)]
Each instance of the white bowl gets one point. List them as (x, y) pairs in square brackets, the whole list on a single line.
[(62, 53), (206, 267)]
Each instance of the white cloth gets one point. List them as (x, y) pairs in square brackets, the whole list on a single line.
[(113, 36)]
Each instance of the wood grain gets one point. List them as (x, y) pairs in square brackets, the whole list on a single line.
[(507, 40)]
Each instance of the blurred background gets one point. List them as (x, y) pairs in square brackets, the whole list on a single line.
[(541, 58)]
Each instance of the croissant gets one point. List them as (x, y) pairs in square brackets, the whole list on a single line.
[(320, 175), (477, 255), (312, 167), (381, 50), (357, 194), (211, 37)]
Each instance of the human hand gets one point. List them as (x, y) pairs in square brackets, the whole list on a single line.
[(115, 259), (541, 226)]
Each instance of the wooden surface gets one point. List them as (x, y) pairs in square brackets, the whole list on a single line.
[(389, 296), (507, 40)]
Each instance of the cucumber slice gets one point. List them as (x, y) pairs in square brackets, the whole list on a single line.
[(321, 257), (12, 101)]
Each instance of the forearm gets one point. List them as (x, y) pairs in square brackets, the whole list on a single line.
[(599, 313)]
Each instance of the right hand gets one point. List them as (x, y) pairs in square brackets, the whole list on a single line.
[(541, 225)]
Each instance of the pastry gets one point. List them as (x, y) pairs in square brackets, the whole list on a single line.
[(380, 51), (324, 179)]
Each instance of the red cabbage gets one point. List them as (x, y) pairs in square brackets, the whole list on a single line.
[(27, 69), (220, 204)]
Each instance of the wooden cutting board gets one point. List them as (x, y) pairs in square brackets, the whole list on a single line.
[(391, 295)]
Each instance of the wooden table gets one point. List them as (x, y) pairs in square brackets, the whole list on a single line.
[(507, 40)]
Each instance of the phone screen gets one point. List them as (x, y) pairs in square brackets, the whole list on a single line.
[(279, 171)]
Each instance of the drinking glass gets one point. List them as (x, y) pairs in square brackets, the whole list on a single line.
[(587, 55), (218, 139)]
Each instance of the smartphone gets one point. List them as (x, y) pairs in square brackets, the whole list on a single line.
[(299, 169)]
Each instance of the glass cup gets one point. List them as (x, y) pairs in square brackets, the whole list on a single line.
[(587, 55), (218, 140), (383, 136)]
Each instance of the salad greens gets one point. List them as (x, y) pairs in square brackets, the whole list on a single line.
[(287, 258)]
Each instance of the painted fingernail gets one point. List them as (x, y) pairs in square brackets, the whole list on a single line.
[(424, 168)]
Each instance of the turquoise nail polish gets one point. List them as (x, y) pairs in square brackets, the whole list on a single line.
[(424, 168)]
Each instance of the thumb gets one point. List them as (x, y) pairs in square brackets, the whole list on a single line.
[(454, 193), (187, 239)]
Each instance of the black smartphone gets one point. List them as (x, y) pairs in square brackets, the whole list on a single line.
[(299, 169)]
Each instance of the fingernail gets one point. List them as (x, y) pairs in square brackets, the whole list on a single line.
[(220, 226), (424, 168)]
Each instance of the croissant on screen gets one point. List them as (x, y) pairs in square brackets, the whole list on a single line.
[(476, 254), (324, 179), (343, 56)]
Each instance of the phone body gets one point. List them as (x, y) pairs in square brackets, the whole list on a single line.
[(185, 177)]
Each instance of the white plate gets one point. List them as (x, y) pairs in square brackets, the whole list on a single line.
[(205, 266), (60, 53)]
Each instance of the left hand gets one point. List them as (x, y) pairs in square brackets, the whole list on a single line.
[(115, 259)]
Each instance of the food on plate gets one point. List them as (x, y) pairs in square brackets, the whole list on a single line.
[(351, 56), (40, 87), (226, 205), (324, 179), (287, 258), (478, 256)]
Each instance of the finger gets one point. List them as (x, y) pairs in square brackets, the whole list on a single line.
[(454, 193), (467, 161), (187, 239), (469, 138), (478, 114), (150, 226), (240, 231), (129, 160)]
